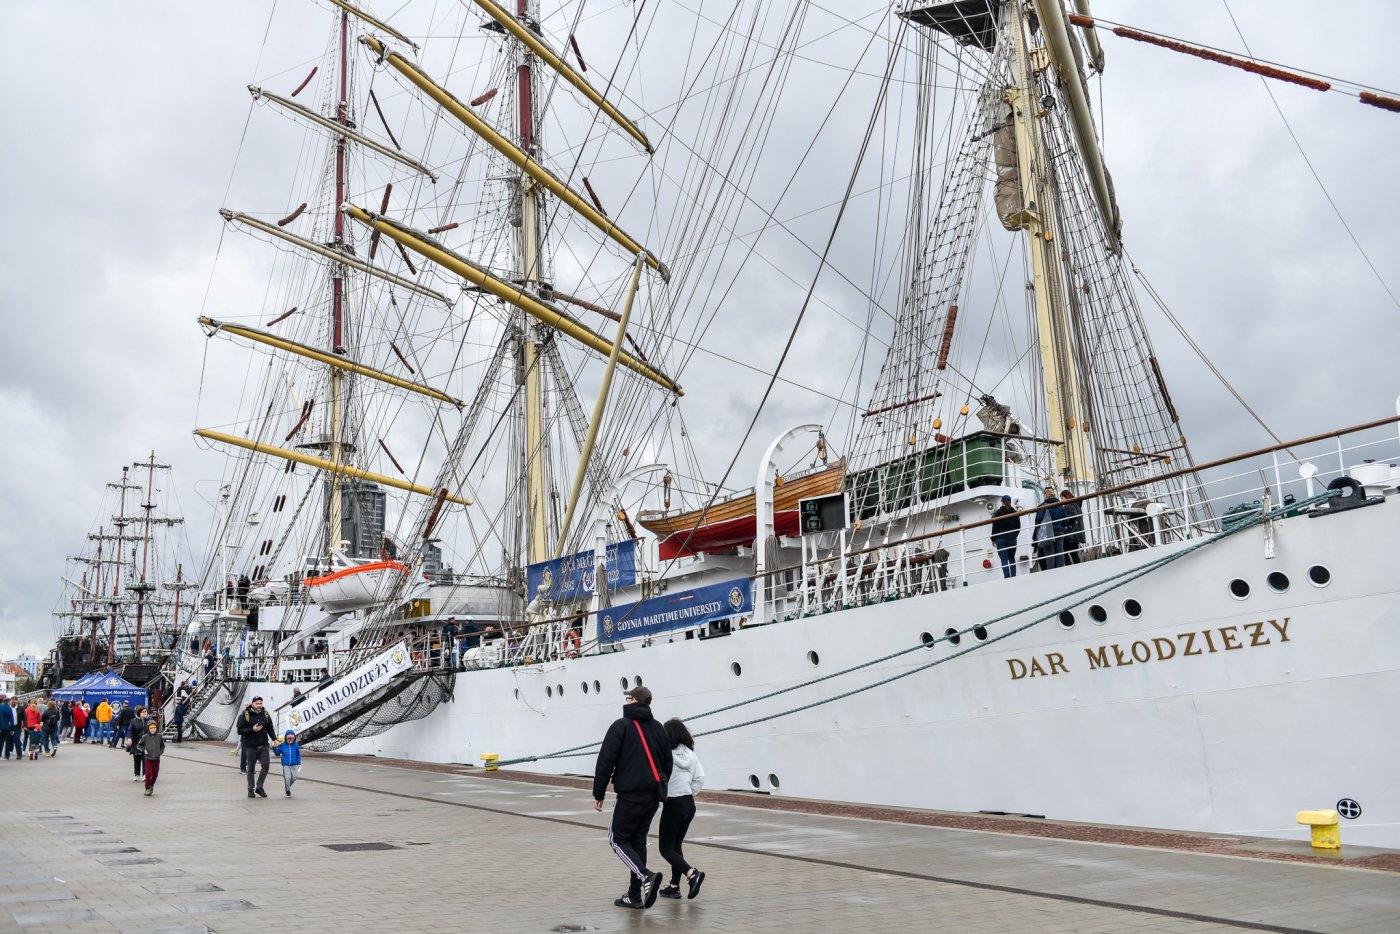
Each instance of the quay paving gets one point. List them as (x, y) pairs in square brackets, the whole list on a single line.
[(81, 849)]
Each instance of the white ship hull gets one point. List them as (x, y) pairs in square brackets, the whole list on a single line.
[(1245, 711)]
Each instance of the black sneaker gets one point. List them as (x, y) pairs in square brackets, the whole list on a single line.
[(261, 793), (289, 792), (627, 902), (250, 794), (696, 878), (670, 891), (653, 886)]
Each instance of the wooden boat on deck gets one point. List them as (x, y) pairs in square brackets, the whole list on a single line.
[(729, 523)]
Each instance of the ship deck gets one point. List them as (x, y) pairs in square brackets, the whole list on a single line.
[(457, 848)]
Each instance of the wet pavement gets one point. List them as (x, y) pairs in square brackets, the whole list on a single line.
[(372, 846)]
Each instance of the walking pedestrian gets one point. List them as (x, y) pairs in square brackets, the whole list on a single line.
[(65, 719), (687, 778), (33, 736), (135, 746), (152, 745), (125, 714), (182, 703), (290, 752), (8, 724), (48, 723), (80, 721), (1005, 532), (209, 660), (1073, 537), (103, 714), (636, 758), (255, 731)]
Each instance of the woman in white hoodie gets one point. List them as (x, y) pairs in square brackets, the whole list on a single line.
[(687, 778)]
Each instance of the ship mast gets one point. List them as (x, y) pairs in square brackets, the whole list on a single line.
[(536, 493), (1066, 425), (334, 517)]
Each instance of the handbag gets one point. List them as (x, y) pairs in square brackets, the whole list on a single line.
[(661, 787)]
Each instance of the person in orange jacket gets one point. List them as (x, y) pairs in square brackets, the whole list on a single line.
[(103, 716)]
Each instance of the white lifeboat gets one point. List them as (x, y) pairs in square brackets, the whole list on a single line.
[(356, 586)]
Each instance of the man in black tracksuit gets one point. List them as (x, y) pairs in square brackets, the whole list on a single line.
[(256, 730), (623, 761)]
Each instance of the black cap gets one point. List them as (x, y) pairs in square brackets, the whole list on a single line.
[(1006, 499)]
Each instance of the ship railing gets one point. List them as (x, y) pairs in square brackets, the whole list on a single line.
[(841, 570)]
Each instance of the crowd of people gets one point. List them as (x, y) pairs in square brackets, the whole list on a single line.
[(651, 766), (37, 729), (1057, 535)]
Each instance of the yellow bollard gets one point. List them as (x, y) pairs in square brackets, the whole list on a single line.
[(1326, 828), (491, 758)]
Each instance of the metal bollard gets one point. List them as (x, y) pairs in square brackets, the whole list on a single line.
[(1326, 828)]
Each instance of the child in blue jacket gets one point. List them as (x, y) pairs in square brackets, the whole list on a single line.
[(290, 751)]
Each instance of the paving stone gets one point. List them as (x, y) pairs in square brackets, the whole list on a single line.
[(22, 897), (187, 929), (11, 881), (128, 860), (151, 873), (236, 904), (109, 849), (181, 888), (36, 918)]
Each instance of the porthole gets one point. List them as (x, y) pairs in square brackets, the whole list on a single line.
[(548, 691), (559, 689), (814, 658), (1239, 588), (1319, 576), (772, 780), (927, 639), (952, 636), (1131, 608), (583, 686), (753, 780), (637, 681), (597, 688), (1098, 614), (1067, 619), (736, 669), (1278, 581), (626, 684), (517, 693), (980, 632)]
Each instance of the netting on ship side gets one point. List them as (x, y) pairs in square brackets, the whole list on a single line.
[(414, 702), (227, 694)]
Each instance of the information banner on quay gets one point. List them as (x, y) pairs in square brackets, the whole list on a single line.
[(571, 576), (350, 687), (675, 610)]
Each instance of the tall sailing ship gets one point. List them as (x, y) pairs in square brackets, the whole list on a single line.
[(471, 511), (120, 605)]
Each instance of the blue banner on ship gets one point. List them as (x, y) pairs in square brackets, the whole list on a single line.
[(572, 576), (675, 610)]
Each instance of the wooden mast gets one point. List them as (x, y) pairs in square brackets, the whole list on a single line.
[(536, 486)]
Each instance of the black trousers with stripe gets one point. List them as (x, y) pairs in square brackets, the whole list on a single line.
[(631, 821)]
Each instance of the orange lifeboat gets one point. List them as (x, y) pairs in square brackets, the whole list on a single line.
[(732, 522)]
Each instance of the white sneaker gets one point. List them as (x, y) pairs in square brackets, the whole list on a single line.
[(136, 778)]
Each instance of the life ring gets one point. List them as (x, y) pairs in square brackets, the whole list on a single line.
[(571, 637)]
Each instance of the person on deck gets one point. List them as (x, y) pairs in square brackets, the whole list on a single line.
[(1073, 537), (1005, 532), (636, 758), (1049, 522)]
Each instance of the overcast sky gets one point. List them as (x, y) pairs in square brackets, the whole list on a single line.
[(122, 121)]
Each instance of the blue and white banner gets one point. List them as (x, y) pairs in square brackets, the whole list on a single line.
[(675, 610), (572, 576)]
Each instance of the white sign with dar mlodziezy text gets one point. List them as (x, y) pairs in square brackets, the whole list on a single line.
[(350, 687)]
